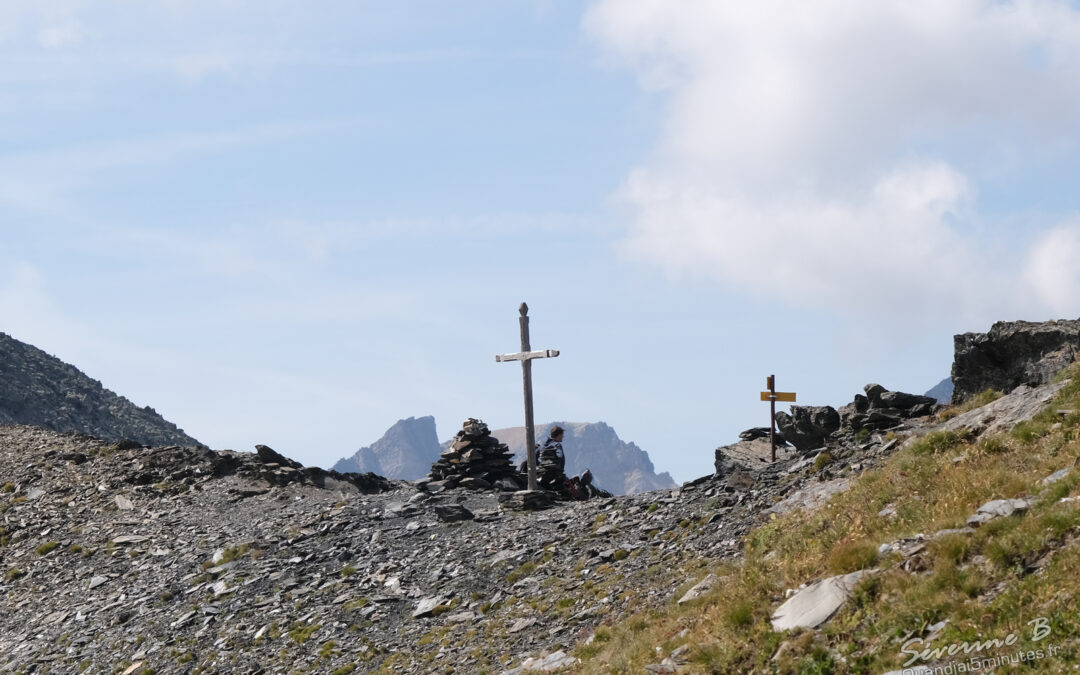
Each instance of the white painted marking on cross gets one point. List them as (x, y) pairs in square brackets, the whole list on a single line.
[(526, 356)]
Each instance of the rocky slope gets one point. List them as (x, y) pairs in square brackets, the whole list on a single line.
[(42, 390), (180, 560), (405, 451), (618, 466)]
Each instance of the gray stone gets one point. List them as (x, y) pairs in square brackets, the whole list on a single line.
[(700, 589), (451, 513), (427, 606), (815, 604), (998, 508), (527, 500), (1060, 474)]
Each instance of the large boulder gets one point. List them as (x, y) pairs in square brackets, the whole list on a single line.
[(808, 427), (1012, 353), (884, 409)]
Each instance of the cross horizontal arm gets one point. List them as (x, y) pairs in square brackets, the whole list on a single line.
[(526, 356)]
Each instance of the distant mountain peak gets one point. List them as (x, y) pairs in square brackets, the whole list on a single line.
[(409, 448), (405, 451), (617, 465)]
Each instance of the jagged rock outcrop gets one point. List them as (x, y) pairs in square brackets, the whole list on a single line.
[(883, 409), (618, 466), (808, 427), (41, 390), (405, 451), (1012, 353)]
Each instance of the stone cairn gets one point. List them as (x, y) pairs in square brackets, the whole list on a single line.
[(475, 460)]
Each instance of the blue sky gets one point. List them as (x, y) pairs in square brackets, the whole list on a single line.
[(295, 224)]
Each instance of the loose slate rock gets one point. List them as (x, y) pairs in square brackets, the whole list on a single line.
[(451, 513), (815, 604), (998, 508), (427, 606)]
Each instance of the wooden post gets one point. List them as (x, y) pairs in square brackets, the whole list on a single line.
[(772, 414), (526, 356), (772, 396)]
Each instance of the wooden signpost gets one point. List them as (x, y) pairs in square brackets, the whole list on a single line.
[(526, 357), (772, 396)]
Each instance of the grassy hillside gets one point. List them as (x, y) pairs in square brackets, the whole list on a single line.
[(1017, 575)]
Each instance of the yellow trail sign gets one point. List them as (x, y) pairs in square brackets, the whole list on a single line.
[(782, 396)]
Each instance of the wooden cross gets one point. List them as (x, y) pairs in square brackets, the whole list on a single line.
[(772, 396), (526, 356)]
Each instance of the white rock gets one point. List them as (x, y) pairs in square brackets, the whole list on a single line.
[(427, 606), (998, 508), (815, 604), (123, 503), (701, 588), (1056, 476)]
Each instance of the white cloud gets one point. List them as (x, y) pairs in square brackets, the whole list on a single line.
[(832, 150), (1053, 272)]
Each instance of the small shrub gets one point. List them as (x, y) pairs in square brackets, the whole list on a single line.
[(993, 445), (652, 507), (822, 460), (46, 548), (348, 571), (939, 441), (741, 614), (862, 435), (301, 632), (15, 573), (8, 487), (521, 572), (849, 556)]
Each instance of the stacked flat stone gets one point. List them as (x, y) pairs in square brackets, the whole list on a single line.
[(475, 460)]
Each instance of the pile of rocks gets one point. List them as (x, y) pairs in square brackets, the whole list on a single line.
[(474, 460), (884, 409), (812, 427)]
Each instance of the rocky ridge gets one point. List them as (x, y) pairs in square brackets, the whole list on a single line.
[(42, 390), (178, 558), (619, 466)]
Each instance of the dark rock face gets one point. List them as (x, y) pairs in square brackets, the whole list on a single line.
[(808, 427), (405, 451), (618, 466), (41, 390), (1012, 353)]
